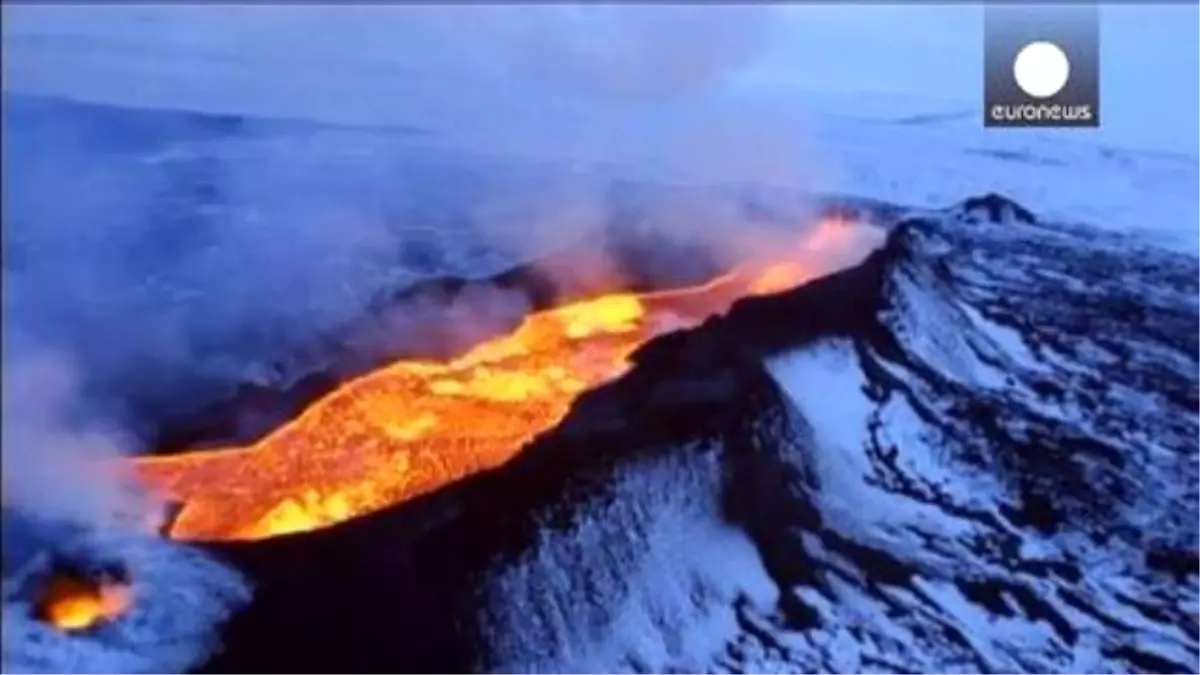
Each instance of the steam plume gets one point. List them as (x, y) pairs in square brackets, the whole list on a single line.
[(50, 447), (193, 249)]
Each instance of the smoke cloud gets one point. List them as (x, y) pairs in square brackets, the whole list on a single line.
[(169, 254), (268, 174), (50, 446)]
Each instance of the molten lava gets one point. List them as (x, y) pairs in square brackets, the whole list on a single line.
[(74, 603), (413, 426)]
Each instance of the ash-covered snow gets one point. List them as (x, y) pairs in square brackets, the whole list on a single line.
[(643, 577), (1021, 449), (1152, 195)]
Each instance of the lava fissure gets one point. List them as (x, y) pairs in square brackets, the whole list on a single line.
[(491, 307), (416, 424)]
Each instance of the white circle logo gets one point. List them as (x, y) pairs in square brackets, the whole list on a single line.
[(1041, 69)]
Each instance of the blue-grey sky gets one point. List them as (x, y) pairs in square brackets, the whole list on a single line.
[(1150, 60), (397, 64), (485, 67)]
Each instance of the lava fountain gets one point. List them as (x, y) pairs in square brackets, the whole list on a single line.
[(415, 425), (74, 603)]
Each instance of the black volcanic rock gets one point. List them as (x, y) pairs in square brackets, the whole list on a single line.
[(995, 208)]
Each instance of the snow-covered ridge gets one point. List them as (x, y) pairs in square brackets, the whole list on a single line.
[(1016, 431)]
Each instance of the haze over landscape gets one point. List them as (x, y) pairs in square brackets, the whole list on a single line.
[(389, 65)]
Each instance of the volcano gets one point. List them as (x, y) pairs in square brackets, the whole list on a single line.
[(975, 450), (413, 425), (972, 451)]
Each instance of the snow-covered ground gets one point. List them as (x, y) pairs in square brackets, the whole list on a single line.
[(1002, 320), (929, 154), (817, 97)]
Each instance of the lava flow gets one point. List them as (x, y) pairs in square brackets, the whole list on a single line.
[(73, 603), (414, 425)]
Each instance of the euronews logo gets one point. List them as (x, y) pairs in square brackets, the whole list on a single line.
[(1041, 67)]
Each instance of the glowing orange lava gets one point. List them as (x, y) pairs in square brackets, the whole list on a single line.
[(72, 603), (413, 426)]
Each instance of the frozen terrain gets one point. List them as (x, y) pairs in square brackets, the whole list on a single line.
[(1068, 177), (1027, 468)]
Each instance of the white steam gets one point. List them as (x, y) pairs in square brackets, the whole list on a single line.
[(170, 255), (57, 468), (53, 458)]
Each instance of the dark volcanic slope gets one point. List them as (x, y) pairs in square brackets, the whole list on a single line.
[(974, 452)]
